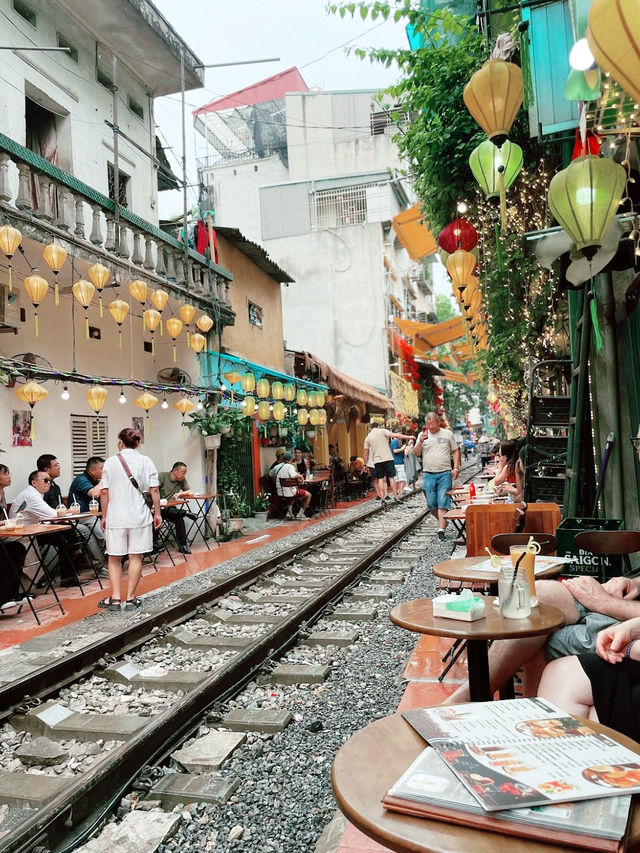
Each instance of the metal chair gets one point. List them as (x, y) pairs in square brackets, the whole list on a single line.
[(611, 543), (501, 542)]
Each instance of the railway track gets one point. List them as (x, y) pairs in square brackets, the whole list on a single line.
[(225, 634)]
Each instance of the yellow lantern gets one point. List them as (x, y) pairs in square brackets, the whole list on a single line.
[(303, 416), (319, 399), (36, 287), (83, 292), (614, 39), (323, 418), (460, 266), (279, 411), (187, 313), (204, 323), (233, 377), (262, 388), (174, 327), (197, 342), (119, 310), (99, 276), (184, 406), (151, 319), (159, 299), (311, 398), (301, 397), (314, 417), (248, 382), (31, 393), (96, 397), (55, 256), (493, 96), (289, 391), (10, 239), (138, 289), (146, 401), (277, 390), (248, 406), (264, 410)]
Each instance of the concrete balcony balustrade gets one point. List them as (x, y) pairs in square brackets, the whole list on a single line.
[(45, 202)]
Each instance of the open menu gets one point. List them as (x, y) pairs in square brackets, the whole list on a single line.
[(542, 564), (428, 788), (526, 752)]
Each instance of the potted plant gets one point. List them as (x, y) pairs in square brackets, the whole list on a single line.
[(213, 424), (238, 509), (261, 507)]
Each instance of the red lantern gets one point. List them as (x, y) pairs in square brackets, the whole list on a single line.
[(591, 145), (459, 234)]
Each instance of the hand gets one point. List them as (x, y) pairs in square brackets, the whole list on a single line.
[(103, 522), (455, 473), (620, 588), (612, 642), (587, 591), (157, 521)]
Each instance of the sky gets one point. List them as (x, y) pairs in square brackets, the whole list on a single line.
[(299, 32)]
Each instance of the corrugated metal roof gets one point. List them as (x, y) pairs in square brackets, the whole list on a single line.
[(254, 252)]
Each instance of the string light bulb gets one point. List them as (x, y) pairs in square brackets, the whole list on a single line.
[(122, 399), (65, 392), (164, 405)]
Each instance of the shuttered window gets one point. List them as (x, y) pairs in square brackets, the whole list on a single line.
[(88, 438)]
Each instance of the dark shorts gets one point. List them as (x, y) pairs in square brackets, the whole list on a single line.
[(385, 469)]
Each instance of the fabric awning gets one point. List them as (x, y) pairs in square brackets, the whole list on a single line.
[(464, 378), (413, 232), (431, 335), (347, 385)]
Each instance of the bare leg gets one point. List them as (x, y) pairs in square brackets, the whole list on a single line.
[(115, 575), (392, 485), (133, 574), (507, 656), (382, 485), (565, 683), (440, 515), (377, 487)]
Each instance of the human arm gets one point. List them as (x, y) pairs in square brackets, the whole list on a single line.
[(612, 642), (456, 463), (155, 497), (185, 490), (595, 597), (104, 505), (502, 471), (623, 587)]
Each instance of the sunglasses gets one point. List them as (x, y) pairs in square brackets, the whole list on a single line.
[(45, 480)]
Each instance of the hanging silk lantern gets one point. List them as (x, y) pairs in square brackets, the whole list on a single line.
[(584, 198), (183, 405), (146, 401), (31, 393), (289, 392), (159, 299), (279, 411), (173, 327), (36, 287), (99, 276), (264, 410), (302, 397), (151, 319), (262, 388), (55, 256), (320, 399), (323, 417), (460, 267), (303, 416), (96, 397), (10, 239), (459, 234), (277, 390), (614, 40), (83, 292), (187, 313), (311, 399), (233, 377), (119, 310), (470, 290), (138, 289), (204, 323), (314, 417), (493, 96), (248, 406), (486, 159), (197, 342), (248, 382)]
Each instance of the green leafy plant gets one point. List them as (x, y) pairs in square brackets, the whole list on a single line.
[(261, 502), (210, 422), (238, 506)]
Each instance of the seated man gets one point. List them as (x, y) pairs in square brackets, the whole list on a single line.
[(48, 463), (278, 461), (173, 484), (30, 502), (356, 466), (286, 471), (303, 463), (86, 486)]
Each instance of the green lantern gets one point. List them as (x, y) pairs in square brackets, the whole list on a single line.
[(485, 161), (301, 397), (262, 388), (584, 198), (289, 392), (277, 390)]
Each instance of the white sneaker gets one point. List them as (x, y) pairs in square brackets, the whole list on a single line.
[(290, 516), (301, 516), (408, 489)]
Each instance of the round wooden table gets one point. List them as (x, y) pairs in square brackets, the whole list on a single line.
[(464, 569), (369, 763), (417, 615)]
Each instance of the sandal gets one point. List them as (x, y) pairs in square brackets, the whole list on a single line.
[(110, 603), (132, 604)]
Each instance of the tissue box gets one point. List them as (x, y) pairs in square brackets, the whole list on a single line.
[(468, 608)]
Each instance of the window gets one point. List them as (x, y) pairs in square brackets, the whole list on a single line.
[(104, 79), (25, 11), (123, 180), (72, 52), (255, 315), (88, 438), (135, 107), (341, 206)]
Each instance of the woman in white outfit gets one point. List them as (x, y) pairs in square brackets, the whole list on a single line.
[(127, 521)]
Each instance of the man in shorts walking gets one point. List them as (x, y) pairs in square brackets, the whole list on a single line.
[(438, 446), (376, 447)]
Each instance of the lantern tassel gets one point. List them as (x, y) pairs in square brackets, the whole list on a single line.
[(161, 330), (100, 303), (188, 338), (10, 278), (503, 200), (97, 427), (56, 293), (86, 327), (153, 347), (35, 317), (120, 338), (32, 432), (174, 352)]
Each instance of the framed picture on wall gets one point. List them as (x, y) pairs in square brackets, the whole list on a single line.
[(21, 428), (138, 423)]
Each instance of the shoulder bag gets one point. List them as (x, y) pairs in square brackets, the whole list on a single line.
[(146, 495)]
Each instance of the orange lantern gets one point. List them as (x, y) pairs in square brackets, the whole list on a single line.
[(138, 289), (83, 292), (119, 310), (493, 96), (99, 276), (187, 313), (55, 256), (159, 299), (10, 239), (204, 323), (146, 401), (197, 342), (36, 287), (151, 319), (460, 266), (173, 327), (31, 393), (96, 397)]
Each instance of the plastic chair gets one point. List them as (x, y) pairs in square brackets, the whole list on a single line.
[(501, 542), (611, 543)]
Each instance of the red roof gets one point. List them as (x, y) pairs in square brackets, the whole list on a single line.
[(266, 90)]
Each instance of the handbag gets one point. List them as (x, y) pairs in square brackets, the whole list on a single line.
[(146, 495)]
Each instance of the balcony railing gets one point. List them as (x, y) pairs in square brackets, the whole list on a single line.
[(65, 206)]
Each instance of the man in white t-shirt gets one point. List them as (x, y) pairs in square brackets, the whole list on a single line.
[(376, 447), (286, 471), (438, 446)]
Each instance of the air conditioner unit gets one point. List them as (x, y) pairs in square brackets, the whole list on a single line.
[(9, 309)]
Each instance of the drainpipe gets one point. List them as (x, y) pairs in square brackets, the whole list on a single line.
[(611, 372)]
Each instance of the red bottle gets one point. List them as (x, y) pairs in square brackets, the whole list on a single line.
[(472, 491)]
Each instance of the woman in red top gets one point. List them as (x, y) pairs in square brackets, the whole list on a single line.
[(507, 460)]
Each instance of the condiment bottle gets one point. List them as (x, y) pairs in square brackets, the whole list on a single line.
[(472, 491)]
